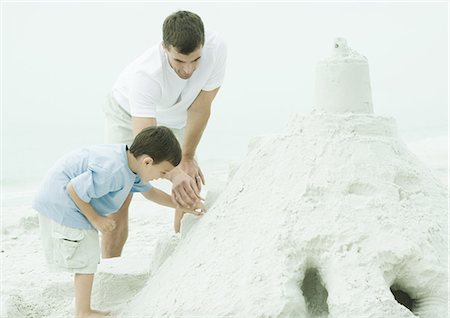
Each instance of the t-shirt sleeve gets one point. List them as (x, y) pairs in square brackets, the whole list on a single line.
[(144, 92), (218, 73), (94, 183), (140, 186)]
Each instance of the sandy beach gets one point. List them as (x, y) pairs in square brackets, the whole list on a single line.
[(327, 199), (29, 290)]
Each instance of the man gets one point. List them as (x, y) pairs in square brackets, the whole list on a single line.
[(172, 84)]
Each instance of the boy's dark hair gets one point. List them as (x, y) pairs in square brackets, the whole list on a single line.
[(159, 143), (184, 31)]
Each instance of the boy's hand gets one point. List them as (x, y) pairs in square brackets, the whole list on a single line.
[(198, 210), (104, 224)]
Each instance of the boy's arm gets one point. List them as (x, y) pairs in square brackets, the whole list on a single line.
[(163, 198), (101, 223), (159, 197)]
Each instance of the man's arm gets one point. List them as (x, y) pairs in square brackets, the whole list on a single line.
[(197, 119), (188, 177), (139, 123)]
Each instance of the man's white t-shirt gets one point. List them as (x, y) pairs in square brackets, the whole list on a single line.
[(149, 87)]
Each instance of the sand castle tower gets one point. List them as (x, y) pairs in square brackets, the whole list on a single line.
[(334, 218)]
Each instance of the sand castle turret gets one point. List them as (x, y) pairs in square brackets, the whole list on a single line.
[(343, 82), (334, 218)]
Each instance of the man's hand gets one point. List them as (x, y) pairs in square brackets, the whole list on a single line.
[(185, 188), (104, 224), (191, 168)]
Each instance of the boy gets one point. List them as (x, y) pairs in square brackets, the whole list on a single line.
[(86, 185)]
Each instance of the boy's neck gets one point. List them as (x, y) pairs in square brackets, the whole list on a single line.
[(132, 162)]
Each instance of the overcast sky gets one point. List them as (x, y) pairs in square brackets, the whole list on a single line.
[(59, 61)]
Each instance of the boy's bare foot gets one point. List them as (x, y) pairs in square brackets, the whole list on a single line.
[(92, 314)]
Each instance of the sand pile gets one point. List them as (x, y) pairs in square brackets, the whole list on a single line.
[(333, 218)]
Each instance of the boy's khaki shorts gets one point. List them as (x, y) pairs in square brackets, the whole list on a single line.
[(118, 124), (69, 249)]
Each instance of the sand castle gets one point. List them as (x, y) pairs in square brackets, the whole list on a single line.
[(333, 218)]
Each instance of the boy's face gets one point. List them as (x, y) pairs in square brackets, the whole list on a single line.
[(151, 171), (183, 65)]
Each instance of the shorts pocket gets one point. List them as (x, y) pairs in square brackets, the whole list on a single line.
[(67, 242)]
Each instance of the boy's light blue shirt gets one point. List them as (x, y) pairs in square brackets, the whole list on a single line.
[(100, 175)]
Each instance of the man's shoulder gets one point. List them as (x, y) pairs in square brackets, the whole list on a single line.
[(149, 64), (214, 40)]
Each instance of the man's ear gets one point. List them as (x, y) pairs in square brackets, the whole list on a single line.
[(148, 160), (166, 48)]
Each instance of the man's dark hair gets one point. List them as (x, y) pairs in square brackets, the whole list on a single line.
[(159, 143), (184, 31)]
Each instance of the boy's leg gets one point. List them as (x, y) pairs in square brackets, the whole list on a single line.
[(113, 241), (76, 251), (83, 291)]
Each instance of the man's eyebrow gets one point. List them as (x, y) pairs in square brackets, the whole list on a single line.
[(178, 60)]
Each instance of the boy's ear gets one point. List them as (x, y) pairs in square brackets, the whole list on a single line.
[(148, 160)]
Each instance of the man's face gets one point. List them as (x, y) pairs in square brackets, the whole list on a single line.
[(183, 65)]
